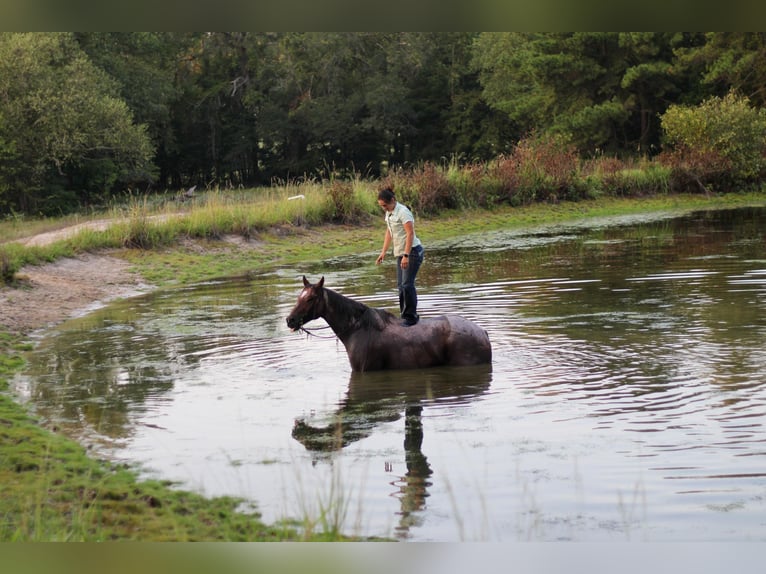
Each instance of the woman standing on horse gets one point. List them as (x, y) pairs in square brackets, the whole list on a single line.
[(400, 230)]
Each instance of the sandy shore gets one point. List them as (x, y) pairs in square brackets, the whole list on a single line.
[(49, 294)]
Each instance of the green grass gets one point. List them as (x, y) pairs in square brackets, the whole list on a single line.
[(147, 225), (20, 226)]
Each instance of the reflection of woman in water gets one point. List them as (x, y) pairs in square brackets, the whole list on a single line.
[(414, 490)]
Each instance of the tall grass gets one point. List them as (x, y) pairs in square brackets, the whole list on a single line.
[(145, 223), (615, 178), (537, 170)]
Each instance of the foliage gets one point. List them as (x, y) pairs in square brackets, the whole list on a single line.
[(603, 90), (727, 61), (470, 184), (424, 188), (64, 132), (87, 116), (143, 65), (722, 140), (608, 176), (343, 204), (539, 169), (547, 168)]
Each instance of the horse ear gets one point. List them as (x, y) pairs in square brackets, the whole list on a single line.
[(321, 282), (306, 282)]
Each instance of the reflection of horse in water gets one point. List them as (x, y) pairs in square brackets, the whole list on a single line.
[(376, 340), (381, 397)]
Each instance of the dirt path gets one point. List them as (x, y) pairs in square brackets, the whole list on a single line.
[(59, 234), (48, 294)]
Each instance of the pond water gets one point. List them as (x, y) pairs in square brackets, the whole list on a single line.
[(626, 399)]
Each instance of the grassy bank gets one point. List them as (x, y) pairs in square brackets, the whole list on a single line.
[(52, 490), (203, 259)]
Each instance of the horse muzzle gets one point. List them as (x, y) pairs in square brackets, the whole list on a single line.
[(294, 323)]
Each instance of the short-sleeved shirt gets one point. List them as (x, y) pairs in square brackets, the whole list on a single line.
[(395, 221)]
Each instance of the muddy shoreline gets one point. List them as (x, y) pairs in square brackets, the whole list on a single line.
[(45, 295)]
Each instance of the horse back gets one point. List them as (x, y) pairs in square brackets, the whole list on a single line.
[(467, 343)]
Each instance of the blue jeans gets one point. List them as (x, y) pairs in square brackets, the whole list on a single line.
[(405, 281)]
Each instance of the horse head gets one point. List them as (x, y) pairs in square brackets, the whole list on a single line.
[(309, 306)]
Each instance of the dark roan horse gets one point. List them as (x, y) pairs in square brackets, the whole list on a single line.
[(376, 340)]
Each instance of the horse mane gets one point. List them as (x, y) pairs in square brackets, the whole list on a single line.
[(365, 316)]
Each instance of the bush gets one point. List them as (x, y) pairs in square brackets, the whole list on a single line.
[(697, 170), (503, 175), (469, 185), (424, 188), (142, 232), (614, 177), (721, 141), (435, 191), (343, 206), (539, 169)]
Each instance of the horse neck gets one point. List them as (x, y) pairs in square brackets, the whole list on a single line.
[(342, 314)]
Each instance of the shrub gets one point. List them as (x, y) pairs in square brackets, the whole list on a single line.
[(141, 231), (647, 180), (723, 141), (614, 177), (504, 173), (539, 169), (343, 206), (468, 184), (435, 191), (697, 169), (424, 188)]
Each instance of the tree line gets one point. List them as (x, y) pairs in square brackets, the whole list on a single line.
[(86, 116)]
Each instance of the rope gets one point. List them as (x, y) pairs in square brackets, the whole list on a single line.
[(313, 334)]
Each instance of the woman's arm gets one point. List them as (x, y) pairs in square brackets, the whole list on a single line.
[(386, 245)]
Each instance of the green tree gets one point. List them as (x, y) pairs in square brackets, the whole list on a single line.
[(602, 90), (565, 83), (450, 118), (729, 60), (68, 134), (346, 98), (225, 118), (144, 65), (8, 165)]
